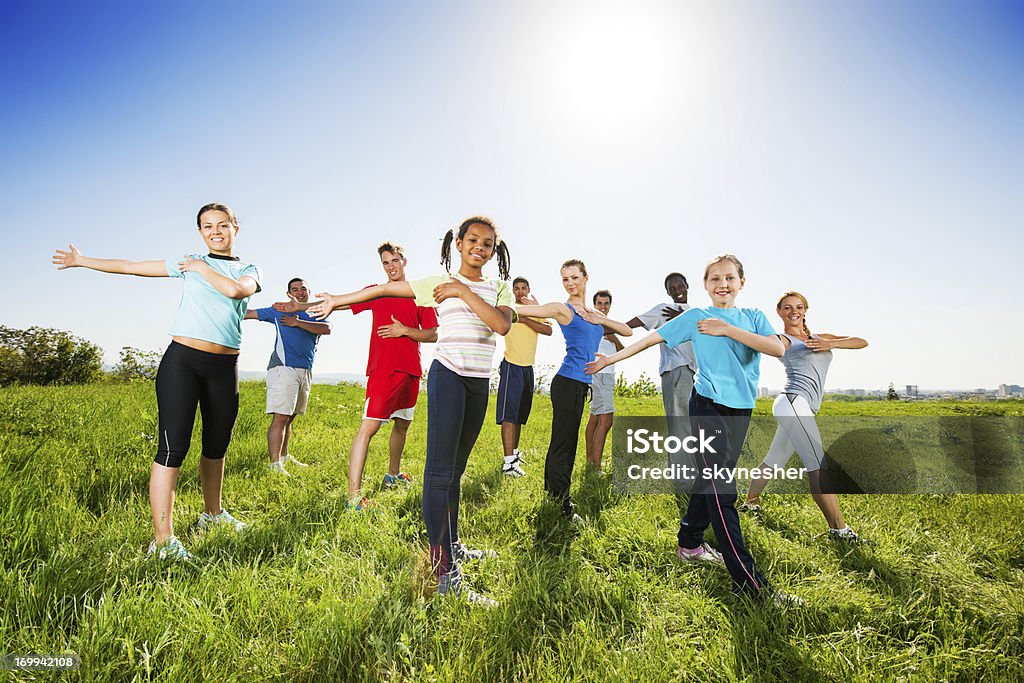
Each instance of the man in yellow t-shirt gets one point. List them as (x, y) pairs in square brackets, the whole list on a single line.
[(515, 388)]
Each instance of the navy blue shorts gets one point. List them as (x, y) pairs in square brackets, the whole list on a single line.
[(515, 393)]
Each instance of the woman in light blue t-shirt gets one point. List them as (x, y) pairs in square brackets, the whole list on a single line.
[(727, 343), (199, 368)]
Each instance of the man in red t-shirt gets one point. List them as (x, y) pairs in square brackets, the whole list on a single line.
[(393, 373)]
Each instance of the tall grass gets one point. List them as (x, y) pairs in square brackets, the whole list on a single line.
[(312, 592)]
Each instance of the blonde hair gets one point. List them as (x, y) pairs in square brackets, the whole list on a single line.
[(807, 306), (579, 264), (723, 257)]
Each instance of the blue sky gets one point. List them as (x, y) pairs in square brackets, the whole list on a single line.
[(867, 154)]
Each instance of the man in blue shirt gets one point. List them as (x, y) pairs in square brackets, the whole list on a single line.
[(290, 371)]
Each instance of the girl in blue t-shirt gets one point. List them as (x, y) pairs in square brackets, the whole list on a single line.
[(583, 329), (199, 368), (727, 343)]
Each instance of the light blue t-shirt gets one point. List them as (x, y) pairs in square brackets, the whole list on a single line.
[(206, 314), (727, 371), (294, 346)]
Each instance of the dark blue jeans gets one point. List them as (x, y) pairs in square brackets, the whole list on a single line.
[(456, 407), (717, 505)]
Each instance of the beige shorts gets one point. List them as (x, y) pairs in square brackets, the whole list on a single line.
[(288, 390)]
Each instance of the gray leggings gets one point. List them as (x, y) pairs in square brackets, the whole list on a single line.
[(797, 431)]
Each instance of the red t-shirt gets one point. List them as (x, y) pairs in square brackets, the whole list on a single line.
[(399, 353)]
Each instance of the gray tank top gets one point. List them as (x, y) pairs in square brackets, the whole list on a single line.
[(805, 372)]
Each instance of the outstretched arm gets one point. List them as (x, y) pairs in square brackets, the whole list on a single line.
[(397, 329), (613, 326), (317, 328), (831, 341), (538, 326), (556, 310), (769, 344), (601, 362), (72, 258), (330, 302)]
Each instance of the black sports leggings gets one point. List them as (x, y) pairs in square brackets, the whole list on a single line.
[(188, 377), (568, 399)]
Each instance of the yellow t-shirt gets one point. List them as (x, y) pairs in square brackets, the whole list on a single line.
[(521, 345)]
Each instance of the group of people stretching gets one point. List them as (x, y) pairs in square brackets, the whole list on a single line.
[(709, 372)]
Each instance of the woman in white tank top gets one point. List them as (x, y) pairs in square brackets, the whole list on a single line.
[(806, 359)]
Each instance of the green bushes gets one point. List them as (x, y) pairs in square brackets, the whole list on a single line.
[(41, 355)]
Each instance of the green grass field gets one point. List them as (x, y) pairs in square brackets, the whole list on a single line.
[(312, 592)]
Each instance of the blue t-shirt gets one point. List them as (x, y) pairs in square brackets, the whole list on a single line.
[(581, 341), (206, 314), (294, 346), (727, 371)]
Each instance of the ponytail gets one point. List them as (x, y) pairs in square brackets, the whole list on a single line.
[(504, 260), (446, 250)]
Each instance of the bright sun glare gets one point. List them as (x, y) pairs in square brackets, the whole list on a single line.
[(616, 66)]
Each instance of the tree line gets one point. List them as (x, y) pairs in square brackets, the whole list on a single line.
[(45, 356)]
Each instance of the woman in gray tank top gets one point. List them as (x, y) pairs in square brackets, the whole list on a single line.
[(806, 360)]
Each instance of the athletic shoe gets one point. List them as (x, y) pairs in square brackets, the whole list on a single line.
[(291, 458), (278, 468), (845, 534), (450, 584), (750, 508), (460, 553), (518, 456), (787, 600), (222, 517), (171, 549), (400, 479), (702, 553), (512, 469), (358, 505)]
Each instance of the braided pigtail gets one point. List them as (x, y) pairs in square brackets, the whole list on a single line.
[(504, 260), (806, 331), (446, 250)]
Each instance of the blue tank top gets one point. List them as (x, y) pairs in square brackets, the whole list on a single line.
[(581, 342)]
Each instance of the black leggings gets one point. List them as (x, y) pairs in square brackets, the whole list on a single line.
[(568, 398), (188, 377)]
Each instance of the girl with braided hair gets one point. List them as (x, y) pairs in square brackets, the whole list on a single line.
[(806, 359), (471, 310)]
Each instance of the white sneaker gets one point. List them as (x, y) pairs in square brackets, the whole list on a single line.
[(461, 553), (512, 469), (702, 553), (291, 458), (787, 600), (518, 456), (223, 517), (278, 468), (845, 534), (450, 584)]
